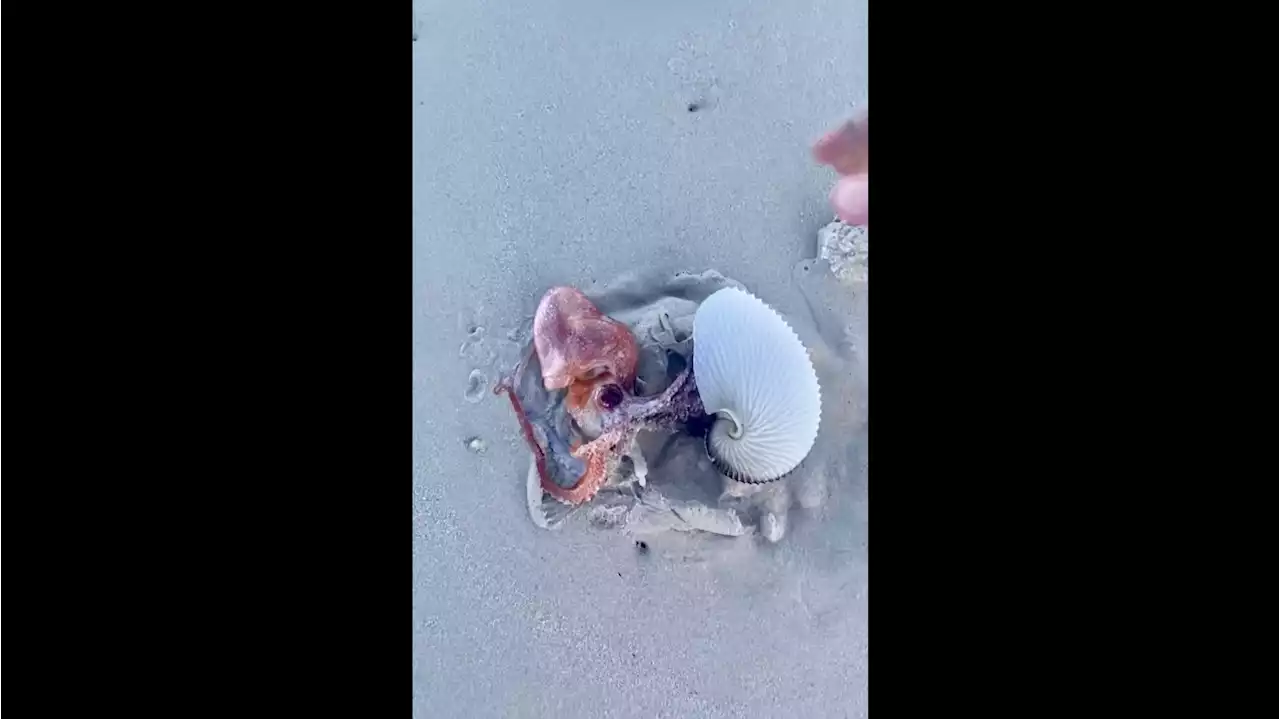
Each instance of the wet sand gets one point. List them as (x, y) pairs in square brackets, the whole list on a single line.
[(569, 143)]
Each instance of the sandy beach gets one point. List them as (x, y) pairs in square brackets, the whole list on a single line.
[(570, 142)]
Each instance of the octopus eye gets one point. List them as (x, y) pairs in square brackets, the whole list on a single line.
[(610, 396)]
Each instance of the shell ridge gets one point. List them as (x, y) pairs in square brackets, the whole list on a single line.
[(751, 363)]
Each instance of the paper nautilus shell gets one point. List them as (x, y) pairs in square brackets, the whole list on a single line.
[(754, 374)]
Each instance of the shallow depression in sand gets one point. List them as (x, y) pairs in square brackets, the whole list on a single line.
[(682, 495)]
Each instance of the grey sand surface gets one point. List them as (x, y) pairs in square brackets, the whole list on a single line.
[(554, 144)]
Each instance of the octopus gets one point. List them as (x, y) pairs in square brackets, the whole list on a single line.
[(591, 415)]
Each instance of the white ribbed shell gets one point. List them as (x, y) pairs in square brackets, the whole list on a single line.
[(752, 370)]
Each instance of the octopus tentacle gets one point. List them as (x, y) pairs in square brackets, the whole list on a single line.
[(593, 359), (596, 454)]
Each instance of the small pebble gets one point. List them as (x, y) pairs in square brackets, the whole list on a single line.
[(773, 527), (477, 445)]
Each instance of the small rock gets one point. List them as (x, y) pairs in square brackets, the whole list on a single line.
[(476, 445), (847, 249), (773, 526)]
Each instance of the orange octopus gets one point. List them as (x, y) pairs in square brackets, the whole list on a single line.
[(592, 357)]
